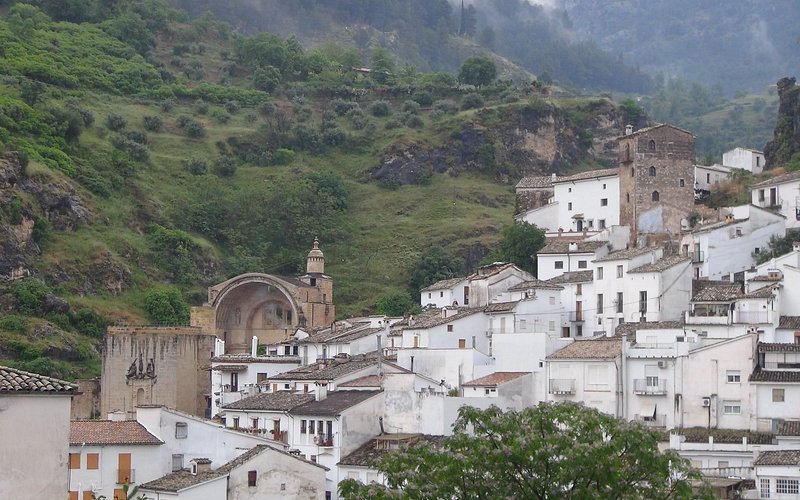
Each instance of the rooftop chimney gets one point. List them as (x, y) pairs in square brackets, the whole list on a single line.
[(200, 465), (628, 129), (116, 416), (380, 356), (254, 347), (320, 390)]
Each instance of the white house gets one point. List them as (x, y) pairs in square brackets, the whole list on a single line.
[(563, 255), (345, 337), (785, 270), (777, 474), (576, 286), (776, 380), (588, 371), (260, 472), (447, 328), (722, 249), (340, 368), (746, 159), (490, 281), (360, 464), (34, 430), (449, 292), (708, 177), (106, 454), (781, 194), (509, 389)]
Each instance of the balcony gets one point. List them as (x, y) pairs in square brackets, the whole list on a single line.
[(769, 203), (703, 318), (576, 317), (645, 387), (562, 386), (752, 317), (651, 420), (698, 257), (325, 440)]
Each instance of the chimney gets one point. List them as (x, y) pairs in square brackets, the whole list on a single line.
[(200, 465), (572, 247), (560, 231), (553, 177), (254, 346), (116, 416), (380, 356), (320, 390), (628, 129)]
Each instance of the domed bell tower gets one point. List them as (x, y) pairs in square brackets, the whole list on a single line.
[(315, 262), (319, 297)]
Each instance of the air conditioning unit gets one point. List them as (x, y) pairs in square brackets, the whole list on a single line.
[(662, 364), (706, 402)]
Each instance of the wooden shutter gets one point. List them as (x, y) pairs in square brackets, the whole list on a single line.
[(124, 469), (73, 495), (92, 461), (119, 494), (251, 477), (74, 461), (87, 495)]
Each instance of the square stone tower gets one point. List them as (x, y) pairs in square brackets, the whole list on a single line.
[(656, 180)]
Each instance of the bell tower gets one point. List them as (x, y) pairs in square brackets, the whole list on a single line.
[(315, 262)]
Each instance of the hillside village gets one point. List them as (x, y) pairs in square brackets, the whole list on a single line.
[(639, 308)]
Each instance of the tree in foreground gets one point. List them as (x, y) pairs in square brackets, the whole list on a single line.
[(519, 242), (553, 450)]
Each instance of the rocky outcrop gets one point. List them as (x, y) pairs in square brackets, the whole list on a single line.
[(511, 141), (786, 139)]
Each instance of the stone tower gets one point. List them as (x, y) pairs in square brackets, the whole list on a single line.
[(656, 180), (315, 262)]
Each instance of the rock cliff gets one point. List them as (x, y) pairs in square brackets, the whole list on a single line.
[(786, 140)]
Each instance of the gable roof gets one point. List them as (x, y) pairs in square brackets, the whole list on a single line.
[(590, 174), (334, 335), (444, 284), (559, 246), (573, 277), (432, 318), (271, 401), (778, 179), (248, 358), (13, 381), (634, 326), (328, 369), (660, 265), (718, 293), (625, 254), (598, 348), (778, 457), (501, 306), (365, 381), (108, 432), (535, 182), (334, 403), (789, 322), (776, 376), (535, 283), (369, 454), (494, 379), (789, 428), (654, 127)]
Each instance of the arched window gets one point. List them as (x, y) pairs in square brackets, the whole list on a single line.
[(652, 171), (655, 196), (651, 145)]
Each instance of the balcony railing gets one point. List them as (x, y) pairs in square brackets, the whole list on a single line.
[(698, 257), (323, 440), (704, 318), (652, 421), (562, 386), (646, 387)]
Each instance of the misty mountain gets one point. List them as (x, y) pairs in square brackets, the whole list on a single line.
[(738, 44)]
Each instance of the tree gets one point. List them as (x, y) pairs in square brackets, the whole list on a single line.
[(478, 71), (553, 450), (396, 303), (434, 265), (166, 306), (519, 243), (383, 64)]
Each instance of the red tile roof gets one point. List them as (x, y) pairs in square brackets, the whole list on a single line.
[(599, 348), (13, 381), (494, 379), (368, 381), (107, 432)]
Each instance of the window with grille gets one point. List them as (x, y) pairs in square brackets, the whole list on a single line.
[(732, 407), (788, 486), (177, 462), (765, 488), (778, 395), (181, 430)]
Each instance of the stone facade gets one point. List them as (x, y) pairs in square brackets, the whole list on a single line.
[(656, 175), (534, 192), (86, 403), (156, 365), (266, 306)]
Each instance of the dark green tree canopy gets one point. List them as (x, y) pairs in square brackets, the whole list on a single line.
[(434, 265), (519, 243), (553, 450), (396, 303), (478, 71)]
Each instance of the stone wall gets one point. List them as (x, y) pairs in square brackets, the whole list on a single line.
[(528, 199)]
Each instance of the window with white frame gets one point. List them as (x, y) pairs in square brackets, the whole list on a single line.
[(765, 488), (787, 486), (559, 264), (181, 430), (732, 407), (552, 300), (778, 395), (599, 273), (177, 462), (551, 325), (620, 271), (523, 325), (582, 264), (733, 376), (597, 378)]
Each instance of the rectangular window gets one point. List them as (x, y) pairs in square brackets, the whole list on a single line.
[(441, 294), (311, 426), (552, 302), (597, 378), (732, 407), (252, 477), (88, 495), (523, 325), (599, 303), (778, 395), (603, 202), (569, 205), (551, 325), (619, 302), (254, 423), (314, 458), (234, 382), (787, 486), (124, 474), (643, 301), (581, 264), (620, 271), (733, 376), (74, 460), (722, 464), (92, 461), (235, 422), (303, 426), (765, 488), (599, 273), (565, 331), (559, 264), (261, 378), (181, 430), (177, 462), (601, 224), (449, 328)]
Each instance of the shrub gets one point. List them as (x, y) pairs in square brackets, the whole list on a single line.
[(220, 116), (201, 106), (303, 113), (196, 166), (423, 98), (13, 323), (88, 322), (183, 120), (225, 166), (410, 106), (392, 123), (445, 106), (137, 136), (232, 107), (195, 130), (42, 232), (334, 136), (380, 108), (283, 156), (115, 122), (167, 105), (342, 107), (152, 123), (30, 294), (472, 101), (166, 306), (414, 121)]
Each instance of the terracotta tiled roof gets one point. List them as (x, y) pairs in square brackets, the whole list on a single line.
[(334, 404), (559, 246), (789, 322), (778, 179), (650, 129), (761, 293), (778, 347), (660, 265), (107, 432), (760, 375), (494, 379), (766, 277), (271, 401), (13, 381), (573, 277), (368, 454), (728, 436), (368, 381), (632, 327), (444, 284), (329, 369), (246, 358), (778, 457), (432, 318), (599, 348), (789, 428), (536, 182), (334, 335), (723, 293), (525, 285), (590, 174), (229, 368), (501, 307), (626, 254)]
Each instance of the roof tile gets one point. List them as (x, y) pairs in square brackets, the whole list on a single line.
[(599, 348), (109, 432), (778, 457), (334, 404), (494, 379), (271, 401), (18, 381)]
